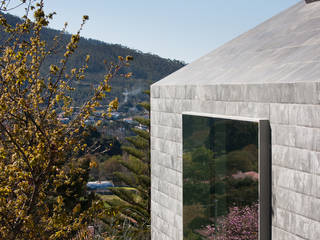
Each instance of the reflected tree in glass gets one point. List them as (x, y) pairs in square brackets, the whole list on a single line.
[(220, 178)]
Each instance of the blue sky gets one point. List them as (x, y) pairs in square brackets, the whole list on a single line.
[(176, 29)]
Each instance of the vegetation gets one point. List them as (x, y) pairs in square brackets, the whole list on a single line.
[(43, 163), (146, 69), (134, 207), (239, 224)]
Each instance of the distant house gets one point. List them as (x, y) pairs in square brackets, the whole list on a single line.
[(241, 175), (64, 120), (102, 187), (90, 121), (263, 89)]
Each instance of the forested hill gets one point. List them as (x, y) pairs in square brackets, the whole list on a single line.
[(146, 68)]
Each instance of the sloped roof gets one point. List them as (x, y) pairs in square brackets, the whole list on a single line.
[(284, 49)]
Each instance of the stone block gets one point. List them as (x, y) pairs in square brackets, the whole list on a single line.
[(156, 143), (164, 187), (165, 160), (164, 200), (259, 93), (254, 110), (186, 105), (154, 131), (154, 91), (299, 159), (197, 106), (213, 107), (279, 234), (232, 108), (179, 179), (306, 138), (315, 162), (177, 164), (306, 93), (174, 206), (180, 92), (179, 194), (154, 156), (314, 230), (274, 216), (180, 236), (155, 170), (154, 182), (231, 92), (170, 175), (169, 120), (293, 113), (314, 210), (179, 209), (316, 146), (302, 182), (280, 155), (164, 227), (300, 226), (172, 148), (170, 105), (296, 180), (158, 105), (190, 92), (172, 162), (153, 104), (280, 177), (154, 118), (292, 201), (167, 92), (154, 208), (155, 234), (271, 93), (286, 91), (168, 217), (315, 186), (284, 135), (308, 116), (279, 113), (273, 136), (198, 93), (208, 93), (275, 175), (167, 133), (173, 191), (180, 105), (178, 222), (172, 232), (283, 219)]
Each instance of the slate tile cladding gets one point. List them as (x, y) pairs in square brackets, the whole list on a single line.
[(295, 133)]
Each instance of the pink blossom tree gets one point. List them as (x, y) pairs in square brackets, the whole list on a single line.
[(239, 224)]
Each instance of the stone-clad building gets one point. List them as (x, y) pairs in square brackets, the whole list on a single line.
[(270, 73)]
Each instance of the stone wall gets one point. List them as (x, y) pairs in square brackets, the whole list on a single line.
[(294, 113)]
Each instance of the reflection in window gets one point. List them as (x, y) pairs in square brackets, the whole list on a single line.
[(220, 179)]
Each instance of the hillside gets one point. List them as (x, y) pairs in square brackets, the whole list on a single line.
[(146, 68)]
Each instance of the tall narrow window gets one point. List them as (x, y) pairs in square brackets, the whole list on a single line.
[(223, 171)]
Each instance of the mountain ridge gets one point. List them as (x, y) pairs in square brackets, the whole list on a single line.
[(146, 68)]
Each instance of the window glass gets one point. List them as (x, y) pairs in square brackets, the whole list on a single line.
[(220, 178)]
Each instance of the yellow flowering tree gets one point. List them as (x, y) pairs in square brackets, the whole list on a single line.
[(42, 181)]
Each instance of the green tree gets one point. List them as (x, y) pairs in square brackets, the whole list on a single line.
[(42, 183), (134, 207)]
